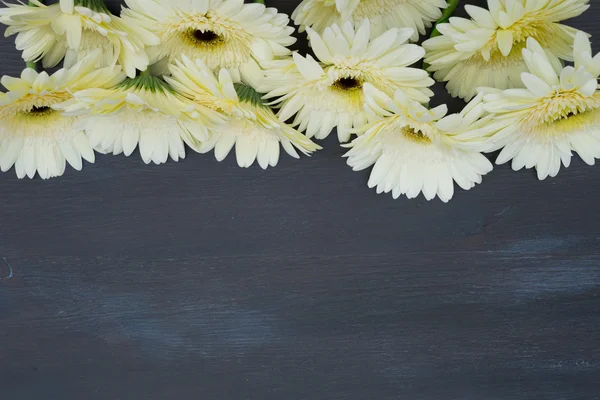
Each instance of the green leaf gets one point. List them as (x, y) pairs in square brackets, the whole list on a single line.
[(446, 15), (248, 94), (96, 5), (150, 83)]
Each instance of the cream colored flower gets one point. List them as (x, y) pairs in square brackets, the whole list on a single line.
[(485, 51), (557, 112), (34, 137), (252, 127), (71, 30), (223, 33), (143, 112), (383, 14), (330, 94), (414, 149)]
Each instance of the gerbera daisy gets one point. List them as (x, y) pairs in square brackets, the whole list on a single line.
[(556, 113), (34, 137), (330, 93), (252, 126), (485, 51), (144, 111), (383, 14), (416, 150), (223, 33), (72, 29)]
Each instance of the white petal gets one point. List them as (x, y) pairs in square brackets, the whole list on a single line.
[(536, 85), (224, 146), (319, 47), (308, 67), (505, 41)]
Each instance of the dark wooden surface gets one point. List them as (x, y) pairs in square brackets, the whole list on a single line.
[(200, 280)]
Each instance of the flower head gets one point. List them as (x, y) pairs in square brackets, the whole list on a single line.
[(486, 49), (556, 113), (414, 149), (71, 30), (251, 126), (223, 33), (330, 93), (145, 112), (383, 14), (34, 136)]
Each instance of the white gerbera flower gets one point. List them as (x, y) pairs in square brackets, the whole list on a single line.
[(486, 49), (145, 112), (558, 112), (223, 33), (383, 14), (252, 127), (330, 94), (34, 137), (416, 150), (72, 29)]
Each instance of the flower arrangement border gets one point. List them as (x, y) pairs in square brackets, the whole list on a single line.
[(167, 77)]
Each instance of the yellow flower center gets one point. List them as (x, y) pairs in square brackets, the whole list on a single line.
[(33, 109), (219, 42), (399, 129), (533, 25), (350, 73), (415, 134), (562, 113), (33, 116), (344, 98), (347, 76)]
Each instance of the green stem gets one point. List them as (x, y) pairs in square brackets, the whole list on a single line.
[(260, 1), (452, 4), (146, 72)]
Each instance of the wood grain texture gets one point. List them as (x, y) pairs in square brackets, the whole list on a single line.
[(201, 280)]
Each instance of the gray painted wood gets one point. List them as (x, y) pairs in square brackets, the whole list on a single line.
[(200, 280)]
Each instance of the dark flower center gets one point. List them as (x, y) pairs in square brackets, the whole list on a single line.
[(205, 36), (348, 83), (43, 110), (568, 115), (36, 110)]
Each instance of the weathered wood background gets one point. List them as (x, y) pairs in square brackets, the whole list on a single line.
[(200, 280)]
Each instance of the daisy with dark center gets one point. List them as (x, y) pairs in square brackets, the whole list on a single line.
[(485, 51), (383, 14), (416, 150), (329, 94), (556, 114), (251, 126), (34, 136), (223, 33)]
